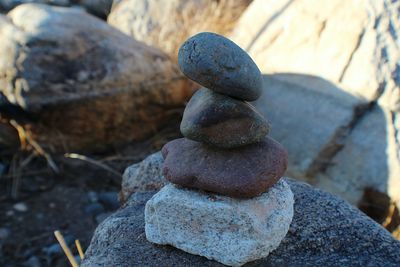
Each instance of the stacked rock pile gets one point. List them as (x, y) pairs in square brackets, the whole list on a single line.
[(227, 201)]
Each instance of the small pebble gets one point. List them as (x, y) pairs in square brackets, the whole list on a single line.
[(2, 168), (10, 213), (92, 197), (101, 217), (33, 262), (55, 249), (94, 209), (109, 199), (21, 207), (4, 233)]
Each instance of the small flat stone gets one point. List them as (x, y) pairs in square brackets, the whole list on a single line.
[(21, 207), (228, 230), (218, 63), (243, 172), (222, 121)]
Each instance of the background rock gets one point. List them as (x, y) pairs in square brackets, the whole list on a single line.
[(368, 161), (335, 140), (325, 231), (100, 8), (89, 85), (167, 24), (309, 117), (7, 5), (353, 44)]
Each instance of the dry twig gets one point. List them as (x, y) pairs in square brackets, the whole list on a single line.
[(65, 248)]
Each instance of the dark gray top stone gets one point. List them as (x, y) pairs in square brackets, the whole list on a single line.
[(222, 121), (218, 63), (325, 231)]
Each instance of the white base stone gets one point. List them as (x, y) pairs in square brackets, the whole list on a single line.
[(228, 230)]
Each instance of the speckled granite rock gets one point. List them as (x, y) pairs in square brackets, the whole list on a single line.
[(242, 172), (325, 231), (143, 176), (225, 229), (222, 121), (219, 64)]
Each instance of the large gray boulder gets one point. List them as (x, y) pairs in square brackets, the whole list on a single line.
[(325, 231), (351, 43), (308, 116), (336, 141), (88, 85)]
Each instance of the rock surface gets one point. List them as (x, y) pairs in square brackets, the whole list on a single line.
[(89, 85), (325, 231), (353, 150), (309, 116), (224, 229), (167, 24), (222, 121), (368, 161), (100, 8), (7, 5), (143, 176), (219, 64), (301, 36), (243, 172)]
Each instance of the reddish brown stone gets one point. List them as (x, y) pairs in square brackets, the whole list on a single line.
[(243, 172)]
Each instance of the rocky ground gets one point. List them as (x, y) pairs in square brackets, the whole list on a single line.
[(74, 201)]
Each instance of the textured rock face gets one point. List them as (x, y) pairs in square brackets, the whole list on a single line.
[(368, 160), (353, 150), (222, 121), (143, 176), (224, 229), (219, 64), (243, 172), (302, 36), (308, 117), (167, 24), (89, 85), (100, 8), (325, 231), (6, 5)]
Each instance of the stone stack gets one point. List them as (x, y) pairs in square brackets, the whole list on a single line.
[(226, 201)]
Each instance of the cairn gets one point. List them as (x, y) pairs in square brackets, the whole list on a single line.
[(226, 200)]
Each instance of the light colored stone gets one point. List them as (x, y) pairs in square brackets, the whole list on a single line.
[(352, 43), (143, 176), (167, 24), (89, 85), (228, 230)]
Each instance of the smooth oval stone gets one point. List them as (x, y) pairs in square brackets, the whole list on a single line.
[(222, 121), (243, 172), (218, 63)]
